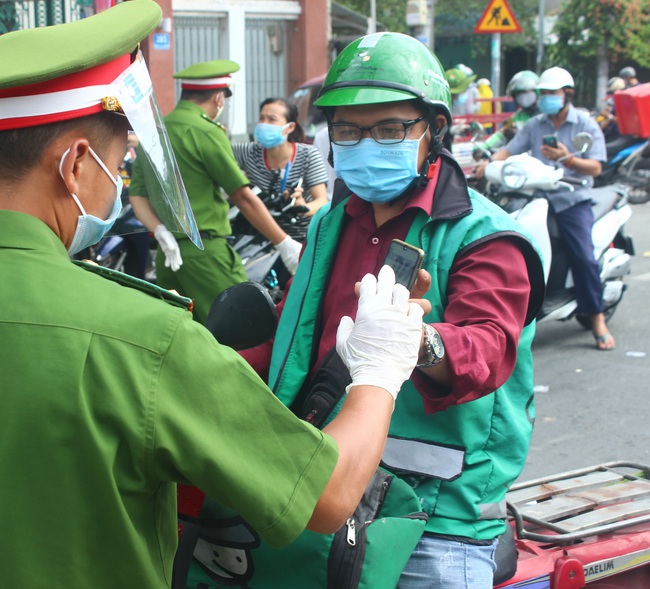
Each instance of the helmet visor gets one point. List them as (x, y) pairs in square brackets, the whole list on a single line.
[(167, 193)]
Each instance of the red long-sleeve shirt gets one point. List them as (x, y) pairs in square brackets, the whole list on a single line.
[(488, 291)]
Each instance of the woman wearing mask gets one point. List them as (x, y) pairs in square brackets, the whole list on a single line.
[(279, 162)]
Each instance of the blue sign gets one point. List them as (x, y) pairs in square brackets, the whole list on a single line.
[(161, 41)]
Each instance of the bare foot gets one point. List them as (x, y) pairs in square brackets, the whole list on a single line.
[(604, 339)]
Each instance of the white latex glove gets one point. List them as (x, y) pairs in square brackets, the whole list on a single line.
[(289, 250), (382, 345), (169, 246)]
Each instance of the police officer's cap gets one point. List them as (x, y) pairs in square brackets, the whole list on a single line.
[(208, 75), (62, 72)]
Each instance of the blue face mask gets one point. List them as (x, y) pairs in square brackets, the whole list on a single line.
[(91, 229), (375, 172), (551, 104), (270, 135)]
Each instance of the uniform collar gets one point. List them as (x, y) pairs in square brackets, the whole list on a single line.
[(22, 231)]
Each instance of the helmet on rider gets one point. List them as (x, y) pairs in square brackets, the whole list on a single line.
[(468, 71), (458, 79), (614, 84), (380, 69), (555, 78), (523, 88), (523, 81), (386, 67), (627, 72)]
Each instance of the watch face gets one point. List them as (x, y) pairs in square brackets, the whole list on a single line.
[(436, 344)]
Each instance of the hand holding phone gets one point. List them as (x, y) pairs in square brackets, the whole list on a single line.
[(405, 260), (550, 140)]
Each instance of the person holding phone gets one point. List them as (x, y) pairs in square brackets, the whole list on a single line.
[(112, 396), (460, 433), (549, 137)]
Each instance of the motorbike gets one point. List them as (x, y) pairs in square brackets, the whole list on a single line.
[(517, 185), (129, 248), (261, 260), (588, 527), (629, 164)]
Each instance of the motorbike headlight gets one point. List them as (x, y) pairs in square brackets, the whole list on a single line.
[(513, 176)]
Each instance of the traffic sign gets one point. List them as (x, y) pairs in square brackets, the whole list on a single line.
[(498, 18)]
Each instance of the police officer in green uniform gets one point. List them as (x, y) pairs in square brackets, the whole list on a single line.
[(207, 166), (110, 396)]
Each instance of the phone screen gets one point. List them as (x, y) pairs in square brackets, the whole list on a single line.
[(405, 260), (550, 140)]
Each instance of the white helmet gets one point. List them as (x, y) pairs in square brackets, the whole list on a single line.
[(555, 78)]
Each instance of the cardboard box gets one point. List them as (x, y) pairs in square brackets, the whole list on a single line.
[(633, 110)]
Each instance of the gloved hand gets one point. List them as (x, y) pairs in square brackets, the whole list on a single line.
[(289, 250), (382, 345), (169, 246)]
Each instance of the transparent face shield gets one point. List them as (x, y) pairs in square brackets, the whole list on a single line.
[(166, 191)]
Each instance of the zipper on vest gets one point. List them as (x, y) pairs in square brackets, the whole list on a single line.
[(276, 386)]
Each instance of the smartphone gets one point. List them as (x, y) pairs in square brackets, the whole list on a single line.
[(550, 140), (405, 260)]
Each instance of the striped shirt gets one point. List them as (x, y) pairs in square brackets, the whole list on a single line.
[(307, 164)]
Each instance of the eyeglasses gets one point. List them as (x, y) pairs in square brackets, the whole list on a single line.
[(385, 133)]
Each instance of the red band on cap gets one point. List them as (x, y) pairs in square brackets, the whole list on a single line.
[(188, 86), (95, 76), (101, 75)]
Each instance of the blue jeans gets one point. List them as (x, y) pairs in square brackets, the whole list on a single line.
[(438, 563)]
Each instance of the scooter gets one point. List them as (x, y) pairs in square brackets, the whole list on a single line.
[(583, 528), (129, 248), (629, 165), (588, 527), (261, 260), (518, 184)]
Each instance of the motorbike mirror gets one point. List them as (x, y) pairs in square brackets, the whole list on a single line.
[(242, 316), (583, 141), (477, 130)]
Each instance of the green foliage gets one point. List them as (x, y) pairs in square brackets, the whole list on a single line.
[(390, 13), (8, 18), (622, 27)]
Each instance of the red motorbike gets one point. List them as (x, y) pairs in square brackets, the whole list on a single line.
[(583, 528)]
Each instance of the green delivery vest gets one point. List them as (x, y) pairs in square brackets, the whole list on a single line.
[(461, 460)]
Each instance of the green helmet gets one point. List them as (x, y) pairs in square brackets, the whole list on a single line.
[(523, 81), (459, 79), (386, 67)]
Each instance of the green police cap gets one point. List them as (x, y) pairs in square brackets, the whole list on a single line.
[(63, 72), (208, 75)]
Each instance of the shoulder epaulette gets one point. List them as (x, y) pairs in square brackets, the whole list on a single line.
[(217, 123), (138, 284)]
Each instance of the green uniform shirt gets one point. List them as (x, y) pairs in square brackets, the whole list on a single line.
[(206, 162), (110, 397)]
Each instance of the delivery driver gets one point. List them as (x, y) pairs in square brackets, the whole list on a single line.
[(109, 396)]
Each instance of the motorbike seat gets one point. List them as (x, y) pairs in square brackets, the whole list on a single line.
[(620, 143), (603, 200)]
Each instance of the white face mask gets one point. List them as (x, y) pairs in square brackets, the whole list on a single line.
[(526, 99), (91, 229)]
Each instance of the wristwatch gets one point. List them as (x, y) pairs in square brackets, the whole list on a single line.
[(433, 347)]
